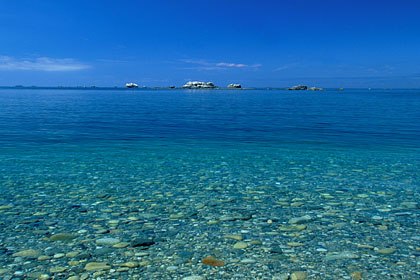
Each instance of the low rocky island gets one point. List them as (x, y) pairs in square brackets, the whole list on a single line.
[(300, 87), (234, 86), (315, 89), (199, 85), (131, 85)]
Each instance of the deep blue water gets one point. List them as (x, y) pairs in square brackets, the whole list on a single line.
[(352, 118)]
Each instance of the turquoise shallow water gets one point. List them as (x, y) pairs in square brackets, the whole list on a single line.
[(193, 166)]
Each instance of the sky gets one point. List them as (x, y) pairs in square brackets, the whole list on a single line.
[(265, 43)]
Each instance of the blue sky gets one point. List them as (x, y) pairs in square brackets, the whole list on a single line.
[(340, 43)]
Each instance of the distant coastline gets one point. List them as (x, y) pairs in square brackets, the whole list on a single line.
[(142, 88), (180, 88), (154, 88)]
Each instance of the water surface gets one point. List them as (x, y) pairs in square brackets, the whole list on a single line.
[(185, 168)]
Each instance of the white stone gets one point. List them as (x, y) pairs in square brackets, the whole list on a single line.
[(193, 277), (108, 241)]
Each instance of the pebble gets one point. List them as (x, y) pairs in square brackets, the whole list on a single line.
[(28, 253), (227, 218), (298, 275), (234, 237), (72, 254), (95, 266), (130, 264), (283, 276), (62, 237), (356, 275), (240, 245), (108, 241), (193, 277), (172, 268), (209, 260), (121, 245), (57, 269), (386, 251), (295, 244), (363, 246), (292, 228), (176, 216), (300, 220), (142, 242), (247, 261), (122, 269)]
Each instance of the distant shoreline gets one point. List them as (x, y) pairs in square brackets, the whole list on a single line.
[(144, 88), (180, 88)]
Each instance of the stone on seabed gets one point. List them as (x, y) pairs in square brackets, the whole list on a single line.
[(234, 237), (108, 241), (240, 245), (298, 275), (130, 264), (94, 266), (193, 277), (283, 276), (386, 251), (62, 237), (340, 256), (28, 253), (209, 260), (300, 220)]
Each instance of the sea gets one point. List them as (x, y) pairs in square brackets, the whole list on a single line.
[(212, 184)]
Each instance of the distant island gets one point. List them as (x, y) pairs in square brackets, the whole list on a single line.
[(211, 85), (208, 85), (189, 85)]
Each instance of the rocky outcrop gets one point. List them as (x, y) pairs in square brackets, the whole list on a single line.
[(298, 88), (199, 85), (315, 89), (234, 86), (131, 85)]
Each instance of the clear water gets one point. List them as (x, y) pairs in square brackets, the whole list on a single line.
[(354, 118), (62, 147)]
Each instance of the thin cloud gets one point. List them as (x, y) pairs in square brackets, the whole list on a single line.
[(237, 65), (206, 65), (41, 64), (285, 67)]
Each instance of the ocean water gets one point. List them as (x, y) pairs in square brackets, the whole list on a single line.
[(185, 168)]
